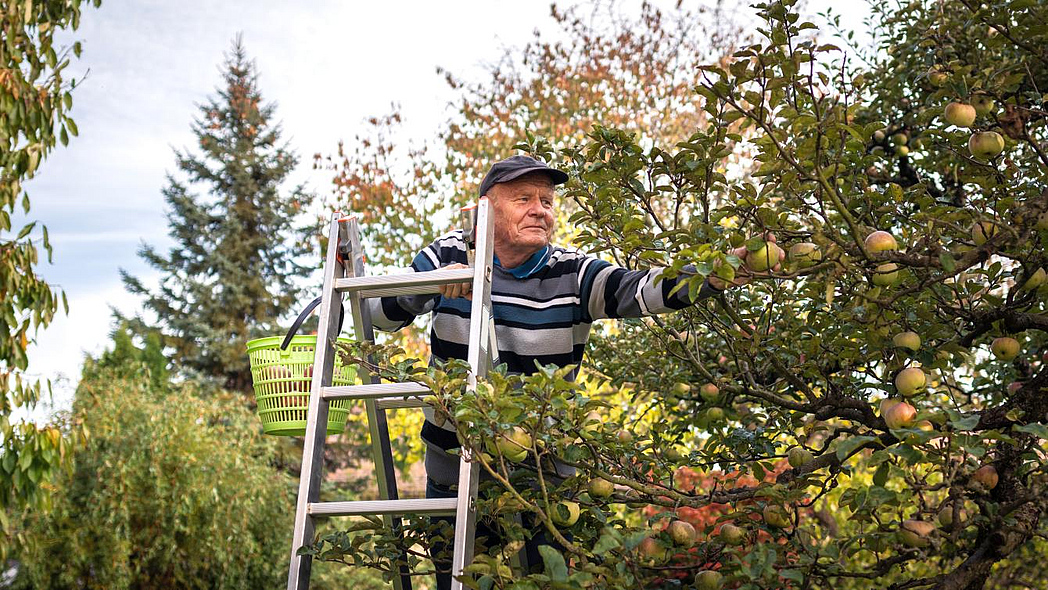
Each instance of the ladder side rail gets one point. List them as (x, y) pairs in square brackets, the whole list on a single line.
[(479, 357), (317, 414), (381, 450)]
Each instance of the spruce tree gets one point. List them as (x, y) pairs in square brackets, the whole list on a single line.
[(231, 273)]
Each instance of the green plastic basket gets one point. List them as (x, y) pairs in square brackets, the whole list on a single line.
[(282, 379)]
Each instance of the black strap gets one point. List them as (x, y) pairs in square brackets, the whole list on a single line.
[(305, 314)]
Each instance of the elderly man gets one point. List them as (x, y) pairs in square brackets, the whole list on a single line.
[(544, 299)]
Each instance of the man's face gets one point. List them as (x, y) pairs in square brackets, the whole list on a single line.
[(523, 210)]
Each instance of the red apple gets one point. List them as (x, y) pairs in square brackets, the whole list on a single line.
[(880, 241), (709, 392), (899, 415), (986, 476)]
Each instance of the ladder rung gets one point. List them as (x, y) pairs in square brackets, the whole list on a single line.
[(398, 403), (374, 391), (415, 283), (371, 507)]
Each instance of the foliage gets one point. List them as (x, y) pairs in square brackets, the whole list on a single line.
[(171, 490), (231, 274), (35, 101), (803, 357)]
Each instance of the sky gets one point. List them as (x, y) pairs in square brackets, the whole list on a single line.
[(148, 64)]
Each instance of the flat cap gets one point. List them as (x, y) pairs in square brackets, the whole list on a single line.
[(515, 167)]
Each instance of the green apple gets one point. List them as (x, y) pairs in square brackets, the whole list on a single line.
[(600, 488), (804, 254), (799, 457), (1005, 348), (880, 241), (709, 392), (513, 446), (986, 476), (565, 513), (681, 389), (985, 145), (937, 77), (959, 114), (910, 381), (899, 415), (682, 533), (878, 136), (902, 150), (764, 258), (900, 139), (731, 534), (715, 414), (983, 104), (910, 340), (915, 533), (709, 580), (776, 516), (886, 274), (1037, 278)]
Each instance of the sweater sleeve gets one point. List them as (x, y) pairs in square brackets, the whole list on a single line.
[(610, 291), (390, 314)]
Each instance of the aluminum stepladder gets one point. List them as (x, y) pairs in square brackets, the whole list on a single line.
[(344, 275)]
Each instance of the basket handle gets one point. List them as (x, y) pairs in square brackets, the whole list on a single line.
[(302, 318)]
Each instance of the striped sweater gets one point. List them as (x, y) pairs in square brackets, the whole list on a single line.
[(543, 311)]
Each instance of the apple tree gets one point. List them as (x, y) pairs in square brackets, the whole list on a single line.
[(870, 414)]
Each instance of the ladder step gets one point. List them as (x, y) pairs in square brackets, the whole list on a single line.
[(438, 506), (375, 391), (415, 283)]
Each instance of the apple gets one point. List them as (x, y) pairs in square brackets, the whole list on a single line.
[(804, 254), (878, 136), (731, 534), (600, 488), (776, 516), (879, 241), (915, 533), (624, 436), (1005, 348), (799, 457), (715, 414), (982, 231), (1035, 281), (983, 104), (565, 513), (680, 389), (887, 403), (899, 415), (985, 144), (986, 476), (764, 258), (514, 446), (886, 274), (1015, 386), (959, 114), (709, 392), (682, 533), (937, 77), (651, 551), (900, 139), (709, 580), (910, 381), (902, 150), (910, 340)]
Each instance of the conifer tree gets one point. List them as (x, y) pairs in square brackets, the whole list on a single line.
[(231, 273)]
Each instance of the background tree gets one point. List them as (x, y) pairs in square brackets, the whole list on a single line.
[(35, 100), (231, 274), (873, 414), (173, 489)]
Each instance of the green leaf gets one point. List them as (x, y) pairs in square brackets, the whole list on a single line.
[(556, 569), (1037, 429), (848, 445)]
